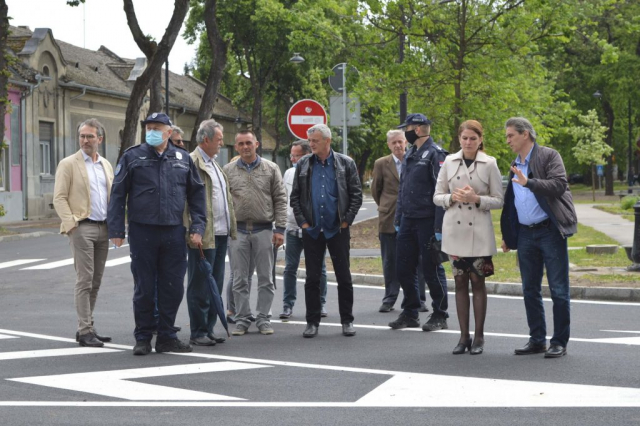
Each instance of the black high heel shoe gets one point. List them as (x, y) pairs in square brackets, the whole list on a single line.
[(462, 347), (477, 349)]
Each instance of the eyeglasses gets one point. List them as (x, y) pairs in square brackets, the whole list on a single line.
[(296, 156), (88, 137)]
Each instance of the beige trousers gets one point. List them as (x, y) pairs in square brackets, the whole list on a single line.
[(90, 247)]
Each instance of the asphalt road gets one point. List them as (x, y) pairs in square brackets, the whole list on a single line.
[(378, 377)]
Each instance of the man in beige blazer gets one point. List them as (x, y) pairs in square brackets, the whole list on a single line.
[(81, 195), (384, 189)]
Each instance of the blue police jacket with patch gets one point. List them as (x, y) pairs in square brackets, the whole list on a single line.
[(420, 168), (154, 188)]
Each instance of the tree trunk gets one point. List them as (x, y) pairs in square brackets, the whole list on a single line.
[(457, 85), (362, 163), (608, 170), (256, 117), (156, 100), (4, 75), (218, 64), (154, 66)]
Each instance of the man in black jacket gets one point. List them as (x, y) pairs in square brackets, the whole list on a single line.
[(325, 198)]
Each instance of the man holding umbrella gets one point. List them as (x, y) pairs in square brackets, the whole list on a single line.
[(221, 224)]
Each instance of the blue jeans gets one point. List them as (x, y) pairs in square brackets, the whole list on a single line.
[(293, 250), (411, 243), (391, 282), (539, 249), (202, 311)]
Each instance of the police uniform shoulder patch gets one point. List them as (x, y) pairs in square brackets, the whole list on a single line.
[(424, 154), (179, 155), (118, 169)]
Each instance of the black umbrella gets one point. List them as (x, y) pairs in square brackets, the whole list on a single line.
[(207, 270)]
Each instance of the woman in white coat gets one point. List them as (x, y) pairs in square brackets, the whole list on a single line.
[(469, 186)]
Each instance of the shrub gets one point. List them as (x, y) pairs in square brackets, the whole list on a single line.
[(2, 212), (627, 202)]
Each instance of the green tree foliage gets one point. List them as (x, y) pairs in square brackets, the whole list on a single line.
[(590, 146)]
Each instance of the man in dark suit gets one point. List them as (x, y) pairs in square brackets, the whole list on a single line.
[(384, 189)]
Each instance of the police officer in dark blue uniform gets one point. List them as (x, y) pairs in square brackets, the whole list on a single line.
[(154, 180), (417, 220)]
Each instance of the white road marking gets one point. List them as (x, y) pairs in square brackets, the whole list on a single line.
[(45, 353), (403, 389), (615, 341), (116, 248), (51, 265), (19, 262), (4, 336), (117, 261), (115, 384), (621, 331), (430, 390)]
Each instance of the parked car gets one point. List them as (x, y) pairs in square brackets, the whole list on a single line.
[(576, 178)]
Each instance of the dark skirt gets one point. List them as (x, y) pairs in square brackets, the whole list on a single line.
[(481, 266)]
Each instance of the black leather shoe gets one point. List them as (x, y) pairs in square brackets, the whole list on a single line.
[(216, 338), (99, 337), (386, 308), (462, 347), (531, 348), (177, 328), (90, 340), (478, 347), (310, 331), (555, 351), (348, 330), (142, 347), (202, 341), (173, 345)]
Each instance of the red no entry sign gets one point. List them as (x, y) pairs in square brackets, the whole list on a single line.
[(304, 114)]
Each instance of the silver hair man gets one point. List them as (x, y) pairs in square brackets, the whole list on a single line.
[(520, 125), (208, 129), (322, 128)]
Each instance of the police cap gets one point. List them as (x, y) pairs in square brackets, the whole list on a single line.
[(416, 118)]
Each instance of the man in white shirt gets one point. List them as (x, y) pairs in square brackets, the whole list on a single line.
[(221, 225), (293, 242), (81, 195)]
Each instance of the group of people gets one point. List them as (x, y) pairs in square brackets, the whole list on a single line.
[(181, 207), (426, 196)]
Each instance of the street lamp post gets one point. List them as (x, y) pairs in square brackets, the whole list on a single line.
[(630, 155)]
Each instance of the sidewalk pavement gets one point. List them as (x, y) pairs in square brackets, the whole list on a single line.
[(613, 225)]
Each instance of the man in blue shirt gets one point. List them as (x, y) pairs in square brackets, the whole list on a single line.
[(325, 198), (537, 218)]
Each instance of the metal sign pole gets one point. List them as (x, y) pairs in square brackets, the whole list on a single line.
[(345, 144)]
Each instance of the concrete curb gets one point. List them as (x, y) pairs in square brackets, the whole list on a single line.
[(508, 289), (17, 237)]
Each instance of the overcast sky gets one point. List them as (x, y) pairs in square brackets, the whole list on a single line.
[(102, 22)]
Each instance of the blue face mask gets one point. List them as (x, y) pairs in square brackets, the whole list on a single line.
[(154, 137)]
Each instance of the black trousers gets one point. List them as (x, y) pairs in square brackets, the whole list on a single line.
[(314, 250)]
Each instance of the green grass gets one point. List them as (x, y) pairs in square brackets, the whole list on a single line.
[(616, 209), (585, 236), (506, 269), (580, 187), (5, 231)]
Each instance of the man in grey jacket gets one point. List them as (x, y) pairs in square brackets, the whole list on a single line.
[(259, 199), (537, 218)]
